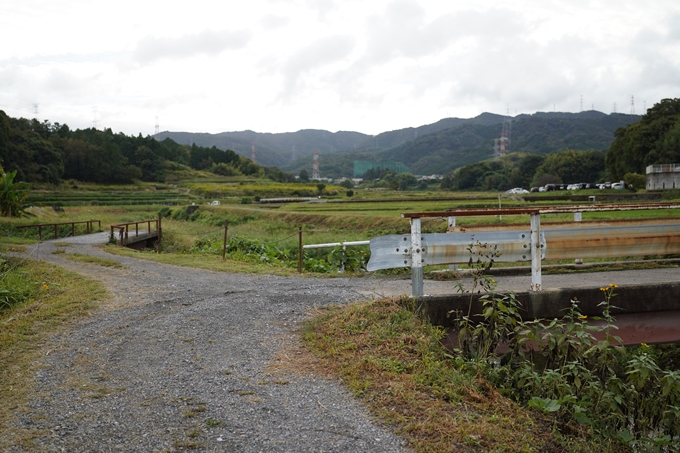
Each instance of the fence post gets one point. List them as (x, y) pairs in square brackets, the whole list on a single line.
[(55, 231), (73, 229), (451, 229), (416, 259), (536, 252), (578, 218), (160, 233), (300, 249), (40, 232), (224, 247)]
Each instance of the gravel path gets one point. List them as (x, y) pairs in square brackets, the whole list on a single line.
[(185, 359)]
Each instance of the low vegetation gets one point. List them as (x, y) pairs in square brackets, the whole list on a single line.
[(37, 300), (553, 388)]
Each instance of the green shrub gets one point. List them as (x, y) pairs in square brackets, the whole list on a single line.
[(15, 286), (561, 369)]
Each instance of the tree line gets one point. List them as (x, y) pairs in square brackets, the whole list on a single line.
[(44, 152)]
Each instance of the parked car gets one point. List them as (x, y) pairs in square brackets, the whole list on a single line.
[(618, 186), (517, 190), (535, 189)]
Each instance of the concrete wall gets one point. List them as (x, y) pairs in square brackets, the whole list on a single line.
[(660, 177), (440, 310), (660, 181)]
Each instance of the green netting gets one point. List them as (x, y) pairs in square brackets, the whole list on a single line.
[(362, 166)]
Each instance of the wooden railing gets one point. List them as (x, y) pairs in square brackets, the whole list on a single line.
[(89, 227), (124, 230)]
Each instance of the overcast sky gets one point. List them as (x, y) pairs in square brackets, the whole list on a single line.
[(363, 65)]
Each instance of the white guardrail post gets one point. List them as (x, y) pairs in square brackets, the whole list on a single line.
[(536, 252), (578, 217), (452, 228), (416, 259)]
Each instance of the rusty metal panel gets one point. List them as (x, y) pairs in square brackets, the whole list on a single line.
[(543, 210), (611, 241), (388, 252)]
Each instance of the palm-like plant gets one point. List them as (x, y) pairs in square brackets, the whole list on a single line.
[(12, 195)]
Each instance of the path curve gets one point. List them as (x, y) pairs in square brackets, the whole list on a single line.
[(185, 358)]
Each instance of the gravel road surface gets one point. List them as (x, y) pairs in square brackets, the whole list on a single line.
[(188, 359), (185, 358)]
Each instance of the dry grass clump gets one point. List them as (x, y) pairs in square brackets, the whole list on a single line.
[(396, 364)]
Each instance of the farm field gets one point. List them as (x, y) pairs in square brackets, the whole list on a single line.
[(266, 236)]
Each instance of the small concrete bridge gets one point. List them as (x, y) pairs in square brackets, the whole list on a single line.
[(142, 238)]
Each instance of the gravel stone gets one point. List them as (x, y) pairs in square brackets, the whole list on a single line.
[(178, 360)]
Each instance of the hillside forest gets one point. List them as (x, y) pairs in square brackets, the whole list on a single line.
[(44, 152)]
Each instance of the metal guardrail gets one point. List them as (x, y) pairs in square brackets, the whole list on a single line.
[(335, 244), (607, 240)]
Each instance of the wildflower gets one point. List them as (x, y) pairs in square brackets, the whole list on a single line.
[(613, 285), (604, 289), (583, 317), (644, 345), (44, 286)]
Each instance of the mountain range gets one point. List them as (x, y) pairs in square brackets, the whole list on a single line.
[(433, 148)]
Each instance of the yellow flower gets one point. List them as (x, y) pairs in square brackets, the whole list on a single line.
[(613, 285), (604, 289), (583, 317), (644, 345), (45, 286)]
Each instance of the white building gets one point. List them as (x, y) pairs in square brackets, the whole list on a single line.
[(663, 176)]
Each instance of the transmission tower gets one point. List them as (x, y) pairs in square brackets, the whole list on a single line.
[(315, 166), (95, 117), (632, 105), (252, 153), (614, 108), (158, 127)]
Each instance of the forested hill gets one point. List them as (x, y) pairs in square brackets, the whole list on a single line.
[(281, 149), (434, 148), (273, 149), (44, 152), (541, 133)]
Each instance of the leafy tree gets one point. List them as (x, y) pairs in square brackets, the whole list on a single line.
[(303, 176), (320, 187), (636, 181), (406, 181), (12, 195), (347, 184), (546, 178), (224, 169), (572, 166), (652, 140)]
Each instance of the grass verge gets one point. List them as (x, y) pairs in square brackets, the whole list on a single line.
[(94, 260), (60, 297), (396, 364)]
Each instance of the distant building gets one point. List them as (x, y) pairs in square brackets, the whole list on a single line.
[(663, 176)]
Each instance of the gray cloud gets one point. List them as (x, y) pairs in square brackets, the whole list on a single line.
[(322, 52), (273, 22), (207, 42)]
